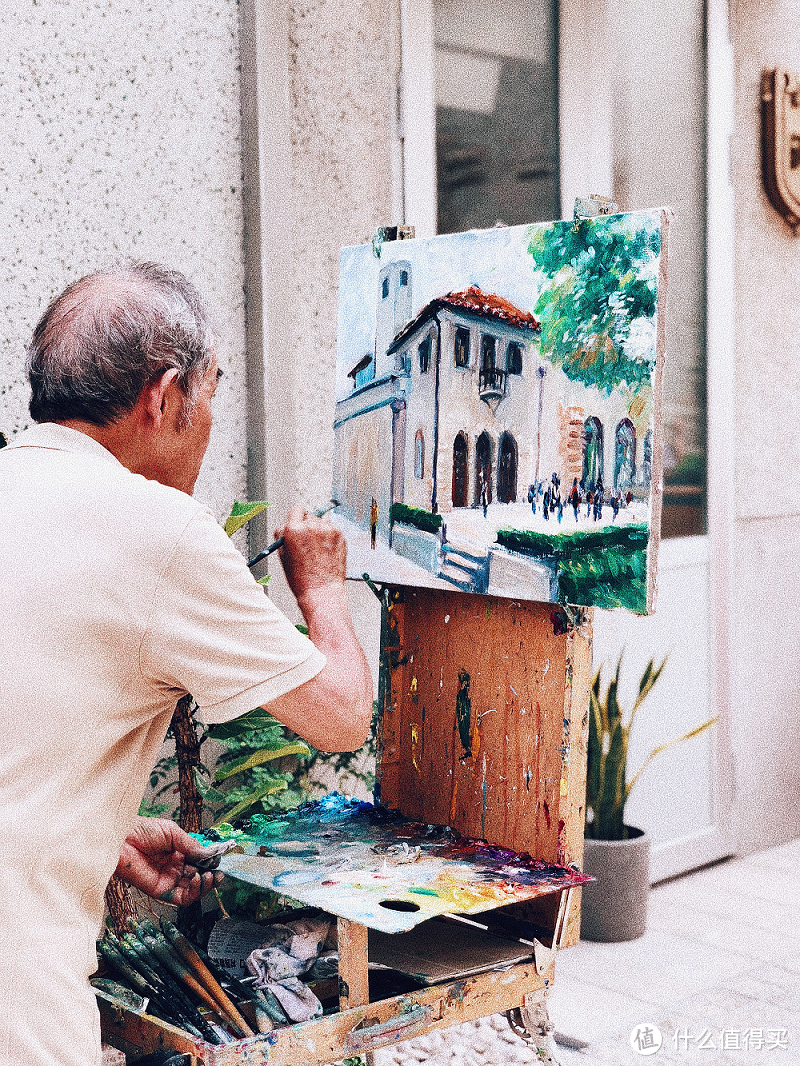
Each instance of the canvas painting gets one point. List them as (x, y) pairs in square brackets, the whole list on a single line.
[(497, 425)]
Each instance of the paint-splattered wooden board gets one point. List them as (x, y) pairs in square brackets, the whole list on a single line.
[(478, 717), (484, 719), (346, 1033), (387, 873)]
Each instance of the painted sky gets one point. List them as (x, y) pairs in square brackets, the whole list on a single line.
[(496, 260)]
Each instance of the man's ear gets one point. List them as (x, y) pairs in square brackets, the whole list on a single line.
[(155, 396)]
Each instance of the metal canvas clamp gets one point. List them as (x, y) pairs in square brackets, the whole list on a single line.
[(593, 205), (390, 233)]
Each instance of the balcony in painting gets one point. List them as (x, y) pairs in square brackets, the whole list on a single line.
[(492, 385)]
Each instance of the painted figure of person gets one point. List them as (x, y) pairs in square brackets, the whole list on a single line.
[(615, 504), (546, 504), (589, 502), (575, 497), (121, 594), (484, 495), (532, 498), (373, 522)]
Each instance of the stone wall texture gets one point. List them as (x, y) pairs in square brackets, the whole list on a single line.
[(121, 125), (766, 601), (341, 87)]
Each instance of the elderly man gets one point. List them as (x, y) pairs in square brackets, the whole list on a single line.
[(120, 594)]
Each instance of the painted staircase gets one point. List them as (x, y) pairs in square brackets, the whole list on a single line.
[(466, 567)]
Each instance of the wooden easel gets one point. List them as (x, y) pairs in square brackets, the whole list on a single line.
[(484, 725)]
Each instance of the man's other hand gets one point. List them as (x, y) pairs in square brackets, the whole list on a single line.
[(157, 858)]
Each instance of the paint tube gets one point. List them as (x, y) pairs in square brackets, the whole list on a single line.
[(120, 994)]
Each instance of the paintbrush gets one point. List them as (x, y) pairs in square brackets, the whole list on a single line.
[(111, 951), (206, 978), (280, 541), (169, 967)]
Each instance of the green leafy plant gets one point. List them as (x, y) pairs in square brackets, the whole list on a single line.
[(607, 789), (264, 768)]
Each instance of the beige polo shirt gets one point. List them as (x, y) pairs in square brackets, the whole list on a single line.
[(117, 596)]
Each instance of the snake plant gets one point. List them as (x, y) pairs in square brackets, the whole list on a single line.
[(607, 789)]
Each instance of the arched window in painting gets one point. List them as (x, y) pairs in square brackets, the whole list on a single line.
[(483, 470), (647, 459), (624, 455), (419, 455), (507, 470), (592, 453), (514, 358), (460, 471)]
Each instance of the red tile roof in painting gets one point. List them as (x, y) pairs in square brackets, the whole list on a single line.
[(475, 302), (490, 306)]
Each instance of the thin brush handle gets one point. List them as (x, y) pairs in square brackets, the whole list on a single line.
[(280, 541), (185, 948)]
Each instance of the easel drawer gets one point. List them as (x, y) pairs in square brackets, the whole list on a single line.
[(340, 1035)]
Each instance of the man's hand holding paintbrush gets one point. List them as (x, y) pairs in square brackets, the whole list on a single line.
[(314, 559), (162, 860)]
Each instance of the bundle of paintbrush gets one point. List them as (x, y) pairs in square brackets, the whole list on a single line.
[(182, 985)]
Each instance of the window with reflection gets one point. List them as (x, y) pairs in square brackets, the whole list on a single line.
[(496, 112), (497, 122)]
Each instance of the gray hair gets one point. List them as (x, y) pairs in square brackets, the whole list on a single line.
[(108, 335)]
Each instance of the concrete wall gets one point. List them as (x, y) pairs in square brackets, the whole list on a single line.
[(341, 87), (340, 83), (766, 637), (123, 124), (121, 140)]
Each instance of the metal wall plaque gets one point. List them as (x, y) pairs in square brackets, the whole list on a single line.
[(780, 129)]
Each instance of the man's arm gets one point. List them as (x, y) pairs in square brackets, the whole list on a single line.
[(333, 711)]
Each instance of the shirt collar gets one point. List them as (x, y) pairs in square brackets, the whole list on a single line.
[(61, 438)]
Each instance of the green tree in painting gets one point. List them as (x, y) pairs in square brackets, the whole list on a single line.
[(601, 281)]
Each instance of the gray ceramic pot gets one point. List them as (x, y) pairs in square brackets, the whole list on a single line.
[(614, 906)]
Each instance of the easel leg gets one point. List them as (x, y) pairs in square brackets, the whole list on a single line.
[(353, 971), (532, 1022)]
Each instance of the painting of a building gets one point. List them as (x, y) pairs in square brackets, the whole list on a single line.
[(456, 424)]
